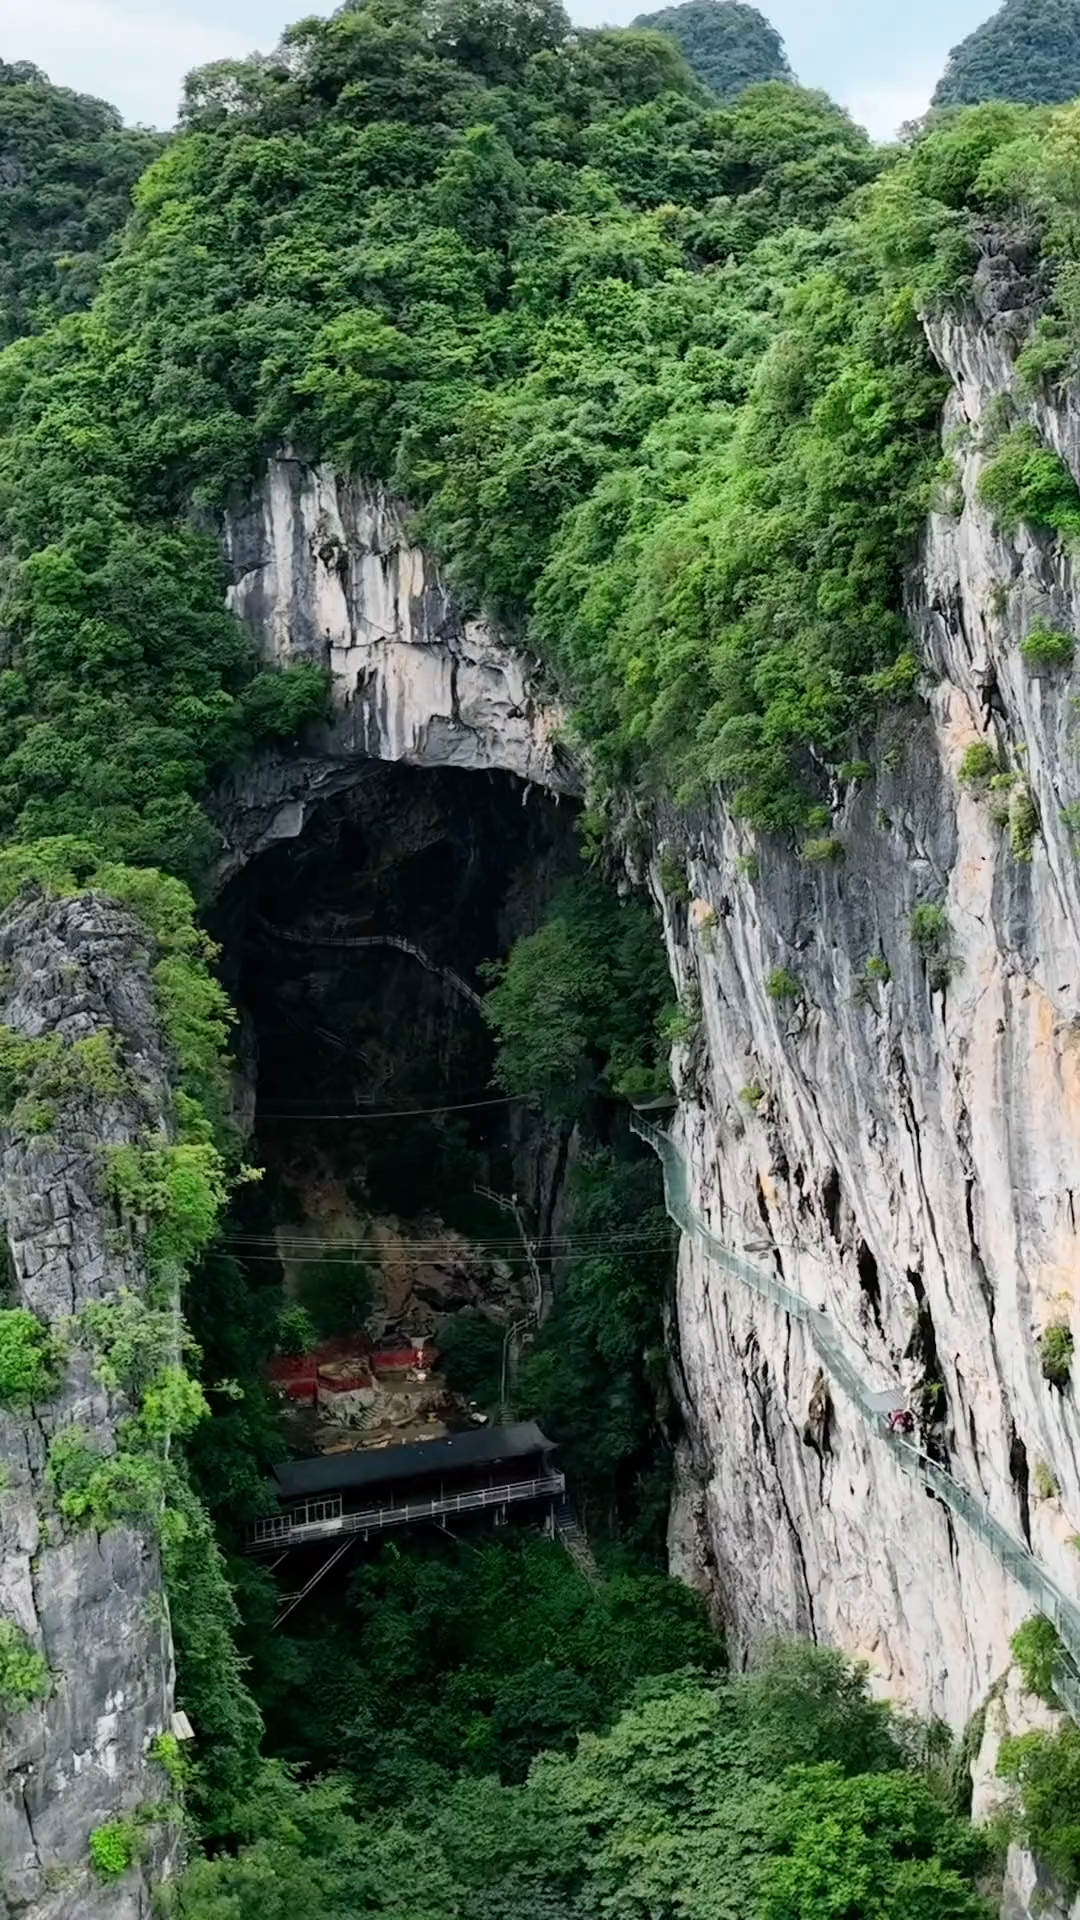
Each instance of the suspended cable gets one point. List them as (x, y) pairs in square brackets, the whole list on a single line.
[(394, 1113), (630, 1253), (450, 1249)]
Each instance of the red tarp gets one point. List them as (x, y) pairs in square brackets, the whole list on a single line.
[(298, 1375)]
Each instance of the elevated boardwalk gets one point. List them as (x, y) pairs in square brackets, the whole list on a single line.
[(1017, 1559), (327, 1519)]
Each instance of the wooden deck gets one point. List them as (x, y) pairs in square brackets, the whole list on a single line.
[(326, 1519)]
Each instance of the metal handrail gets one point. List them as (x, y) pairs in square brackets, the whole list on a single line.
[(1013, 1555), (282, 1529)]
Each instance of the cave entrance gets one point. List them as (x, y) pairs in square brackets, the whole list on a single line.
[(355, 956)]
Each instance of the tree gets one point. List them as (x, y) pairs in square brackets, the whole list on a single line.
[(67, 168), (1028, 51), (730, 46), (676, 1810), (588, 985), (495, 38)]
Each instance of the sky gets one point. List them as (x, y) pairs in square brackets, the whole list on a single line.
[(879, 58)]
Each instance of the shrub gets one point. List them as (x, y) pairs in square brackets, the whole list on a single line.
[(1026, 482), (931, 934), (999, 798), (104, 1490), (1045, 648), (29, 1358), (672, 876), (1023, 820), (930, 930), (296, 1331), (166, 1751), (336, 1293), (822, 853), (1047, 1485), (24, 1673), (38, 1075), (876, 973), (1035, 1647), (753, 1095), (1046, 1768), (783, 987), (980, 762), (177, 1191), (130, 1340), (1055, 1353), (472, 1346), (113, 1848)]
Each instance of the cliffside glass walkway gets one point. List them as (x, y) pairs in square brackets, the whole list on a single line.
[(1009, 1551)]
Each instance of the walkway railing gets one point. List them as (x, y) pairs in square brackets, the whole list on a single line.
[(289, 1529), (1012, 1554), (328, 937)]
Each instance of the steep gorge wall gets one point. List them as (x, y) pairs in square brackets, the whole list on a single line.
[(324, 569), (901, 1145), (907, 1153), (91, 1603)]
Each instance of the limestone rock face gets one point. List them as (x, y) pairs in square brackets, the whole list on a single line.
[(898, 1134), (92, 1604), (324, 569)]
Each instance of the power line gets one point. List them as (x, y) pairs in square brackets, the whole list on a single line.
[(392, 1113), (450, 1243), (426, 1254), (643, 1252)]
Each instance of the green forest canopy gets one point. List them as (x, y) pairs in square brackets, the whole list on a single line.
[(786, 1794), (1029, 50), (67, 168), (543, 316), (730, 46), (649, 365)]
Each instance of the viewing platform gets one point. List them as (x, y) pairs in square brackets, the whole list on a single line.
[(370, 1491)]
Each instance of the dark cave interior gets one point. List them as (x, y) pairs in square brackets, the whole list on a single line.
[(365, 1090), (456, 864)]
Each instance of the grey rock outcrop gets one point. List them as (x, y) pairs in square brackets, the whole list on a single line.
[(901, 1137), (324, 569), (92, 1604)]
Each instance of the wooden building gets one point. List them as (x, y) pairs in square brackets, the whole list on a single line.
[(487, 1470)]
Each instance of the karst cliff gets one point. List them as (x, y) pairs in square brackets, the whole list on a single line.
[(884, 1118), (879, 1110)]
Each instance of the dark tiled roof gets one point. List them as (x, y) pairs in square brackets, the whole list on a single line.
[(380, 1466)]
